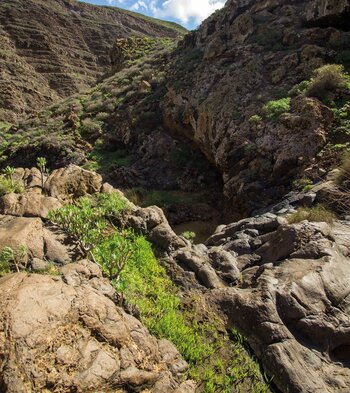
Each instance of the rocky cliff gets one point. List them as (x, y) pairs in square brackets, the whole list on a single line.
[(230, 75), (52, 49)]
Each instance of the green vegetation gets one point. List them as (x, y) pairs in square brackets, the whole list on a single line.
[(114, 252), (303, 184), (274, 109), (12, 260), (106, 161), (189, 235), (8, 184), (317, 213), (41, 164), (255, 119), (326, 79), (216, 362)]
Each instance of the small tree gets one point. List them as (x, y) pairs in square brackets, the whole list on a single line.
[(41, 163)]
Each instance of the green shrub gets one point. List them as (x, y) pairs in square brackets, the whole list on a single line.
[(300, 88), (326, 79), (274, 109), (86, 219), (255, 119), (13, 260), (189, 235), (8, 185), (301, 184), (116, 251), (318, 213), (82, 222), (90, 127)]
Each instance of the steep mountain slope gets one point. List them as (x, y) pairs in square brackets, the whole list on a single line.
[(248, 89), (52, 49)]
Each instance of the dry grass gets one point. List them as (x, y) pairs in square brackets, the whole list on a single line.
[(328, 78), (318, 213)]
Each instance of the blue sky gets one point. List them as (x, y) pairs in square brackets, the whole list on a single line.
[(189, 13)]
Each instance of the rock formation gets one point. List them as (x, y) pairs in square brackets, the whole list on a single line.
[(240, 58)]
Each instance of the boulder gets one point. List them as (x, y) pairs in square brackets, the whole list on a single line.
[(28, 232), (72, 182), (55, 331), (28, 205)]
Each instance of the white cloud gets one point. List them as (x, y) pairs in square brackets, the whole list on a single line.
[(139, 5), (186, 10)]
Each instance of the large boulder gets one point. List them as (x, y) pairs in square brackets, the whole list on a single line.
[(29, 204), (40, 241), (18, 231), (72, 182), (66, 333)]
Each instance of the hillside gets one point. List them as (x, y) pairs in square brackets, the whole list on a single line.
[(52, 49), (183, 224)]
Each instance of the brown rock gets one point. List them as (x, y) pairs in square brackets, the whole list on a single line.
[(74, 337), (23, 231), (72, 182), (28, 205)]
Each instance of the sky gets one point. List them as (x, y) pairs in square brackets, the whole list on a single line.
[(188, 13)]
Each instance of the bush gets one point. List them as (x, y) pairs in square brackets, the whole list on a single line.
[(12, 260), (86, 219), (328, 78), (318, 213), (189, 235), (90, 127), (8, 185), (274, 109), (115, 252), (255, 119), (82, 222)]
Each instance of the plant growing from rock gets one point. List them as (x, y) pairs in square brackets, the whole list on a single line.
[(9, 171), (317, 213), (13, 260), (41, 163), (8, 184), (82, 222), (189, 235), (326, 79), (274, 109)]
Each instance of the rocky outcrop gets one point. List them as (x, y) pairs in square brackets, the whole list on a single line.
[(72, 182), (293, 307), (285, 288), (328, 13), (55, 48), (242, 57), (66, 333)]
